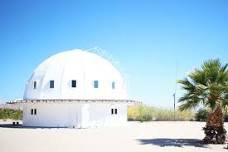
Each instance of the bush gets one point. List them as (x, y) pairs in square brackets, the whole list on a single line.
[(145, 113), (148, 113), (201, 115), (140, 113), (10, 114), (133, 113), (225, 117)]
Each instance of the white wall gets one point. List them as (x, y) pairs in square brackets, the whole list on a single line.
[(74, 114), (51, 114), (100, 114)]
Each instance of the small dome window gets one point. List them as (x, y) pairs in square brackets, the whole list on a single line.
[(95, 83), (113, 85), (34, 85), (73, 83), (52, 83)]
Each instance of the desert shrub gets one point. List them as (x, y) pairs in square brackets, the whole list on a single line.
[(186, 115), (10, 114), (148, 113), (139, 113), (133, 113), (226, 117), (201, 115), (162, 114), (145, 113)]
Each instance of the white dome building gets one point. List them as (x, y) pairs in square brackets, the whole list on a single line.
[(75, 89)]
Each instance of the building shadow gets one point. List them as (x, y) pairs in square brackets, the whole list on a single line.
[(9, 125), (27, 127), (180, 142)]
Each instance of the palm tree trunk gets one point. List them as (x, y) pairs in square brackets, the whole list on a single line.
[(214, 130)]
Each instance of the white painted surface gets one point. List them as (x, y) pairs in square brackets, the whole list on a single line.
[(74, 114), (51, 114), (82, 66)]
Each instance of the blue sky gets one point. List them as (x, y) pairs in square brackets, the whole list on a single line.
[(153, 42)]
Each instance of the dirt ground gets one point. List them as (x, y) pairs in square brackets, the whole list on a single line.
[(135, 137)]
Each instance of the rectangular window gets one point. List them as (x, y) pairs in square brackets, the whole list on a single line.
[(95, 84), (73, 84), (31, 111), (113, 85), (34, 85), (34, 111), (116, 111), (52, 84)]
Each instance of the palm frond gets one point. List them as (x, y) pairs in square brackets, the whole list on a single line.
[(207, 85)]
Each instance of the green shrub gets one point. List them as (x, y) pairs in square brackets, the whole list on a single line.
[(133, 113), (148, 113), (201, 115), (10, 114), (225, 117), (145, 113)]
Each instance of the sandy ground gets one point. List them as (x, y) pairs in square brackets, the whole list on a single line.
[(136, 137)]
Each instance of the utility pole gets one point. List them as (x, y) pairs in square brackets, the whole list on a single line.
[(174, 106)]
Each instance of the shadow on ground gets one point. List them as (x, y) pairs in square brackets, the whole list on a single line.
[(27, 127), (10, 126), (163, 142)]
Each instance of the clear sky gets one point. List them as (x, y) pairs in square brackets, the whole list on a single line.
[(153, 42)]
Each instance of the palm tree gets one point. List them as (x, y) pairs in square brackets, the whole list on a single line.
[(208, 86)]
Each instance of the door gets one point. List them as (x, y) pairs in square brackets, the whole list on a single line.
[(85, 116)]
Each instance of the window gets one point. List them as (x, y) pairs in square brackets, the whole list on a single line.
[(34, 85), (52, 84), (95, 84), (73, 84), (113, 85), (33, 112), (114, 111)]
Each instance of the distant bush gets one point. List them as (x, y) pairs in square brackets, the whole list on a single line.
[(148, 113), (133, 113), (226, 118), (10, 114), (201, 115), (145, 113)]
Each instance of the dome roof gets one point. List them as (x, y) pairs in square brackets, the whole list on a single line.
[(75, 74)]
